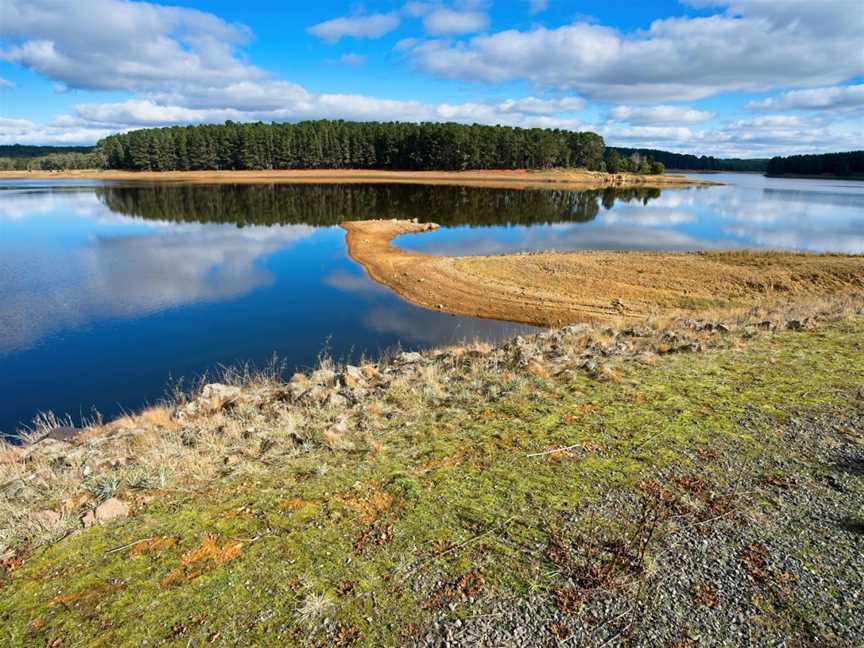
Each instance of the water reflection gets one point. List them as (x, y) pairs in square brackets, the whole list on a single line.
[(130, 275), (334, 204), (107, 291)]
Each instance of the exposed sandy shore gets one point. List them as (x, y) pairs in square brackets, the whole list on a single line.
[(552, 288), (517, 179)]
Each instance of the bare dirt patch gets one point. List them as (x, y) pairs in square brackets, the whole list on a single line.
[(554, 288)]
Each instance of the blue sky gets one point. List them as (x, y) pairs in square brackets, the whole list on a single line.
[(723, 77)]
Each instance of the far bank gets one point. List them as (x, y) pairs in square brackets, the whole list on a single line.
[(493, 178)]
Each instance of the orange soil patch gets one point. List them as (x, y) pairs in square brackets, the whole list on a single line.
[(208, 554), (501, 178), (151, 545), (371, 506), (554, 288)]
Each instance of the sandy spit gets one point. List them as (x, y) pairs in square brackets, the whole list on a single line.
[(554, 288)]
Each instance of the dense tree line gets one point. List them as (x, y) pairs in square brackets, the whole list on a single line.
[(30, 151), (693, 162), (837, 164), (636, 162), (331, 204), (54, 161), (353, 145)]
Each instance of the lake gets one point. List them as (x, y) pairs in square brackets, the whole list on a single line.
[(110, 292)]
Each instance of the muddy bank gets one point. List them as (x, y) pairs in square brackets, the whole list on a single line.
[(501, 179), (553, 288)]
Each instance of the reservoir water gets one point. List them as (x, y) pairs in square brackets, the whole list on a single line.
[(109, 292)]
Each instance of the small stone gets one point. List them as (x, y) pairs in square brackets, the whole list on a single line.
[(111, 509), (62, 433), (88, 519), (337, 400), (218, 391), (323, 377), (409, 357), (352, 377)]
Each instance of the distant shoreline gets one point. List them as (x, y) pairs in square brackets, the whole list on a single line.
[(821, 176), (496, 178)]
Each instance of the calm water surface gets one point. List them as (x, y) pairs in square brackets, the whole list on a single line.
[(110, 292)]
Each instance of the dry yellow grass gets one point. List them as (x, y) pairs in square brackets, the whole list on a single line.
[(508, 178), (553, 288)]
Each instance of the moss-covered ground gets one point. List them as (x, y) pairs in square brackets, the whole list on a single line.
[(364, 547)]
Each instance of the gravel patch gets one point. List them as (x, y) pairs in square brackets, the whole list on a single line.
[(758, 551)]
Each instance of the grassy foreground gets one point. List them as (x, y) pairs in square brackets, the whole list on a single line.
[(447, 494)]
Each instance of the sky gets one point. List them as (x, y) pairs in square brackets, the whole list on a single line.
[(731, 78)]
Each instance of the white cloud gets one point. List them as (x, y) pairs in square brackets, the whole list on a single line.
[(535, 106), (449, 22), (113, 45), (25, 131), (280, 101), (537, 6), (353, 59), (365, 26), (659, 115), (764, 136), (831, 98), (5, 84), (752, 46)]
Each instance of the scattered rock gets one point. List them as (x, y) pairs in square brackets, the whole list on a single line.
[(111, 509), (63, 433), (352, 377), (18, 489), (88, 519), (335, 399), (411, 357), (323, 377)]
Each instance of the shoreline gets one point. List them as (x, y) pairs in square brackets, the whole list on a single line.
[(495, 178), (745, 431), (556, 288)]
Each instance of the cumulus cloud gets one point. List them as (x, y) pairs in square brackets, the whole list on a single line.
[(25, 131), (764, 136), (112, 45), (449, 22), (279, 101), (655, 115), (832, 98), (752, 46), (535, 106), (363, 26)]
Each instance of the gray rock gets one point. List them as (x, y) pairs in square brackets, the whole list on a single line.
[(63, 433), (335, 399), (18, 489), (218, 391), (352, 377), (411, 357), (111, 509)]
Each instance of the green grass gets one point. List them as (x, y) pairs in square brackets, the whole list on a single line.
[(451, 492)]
